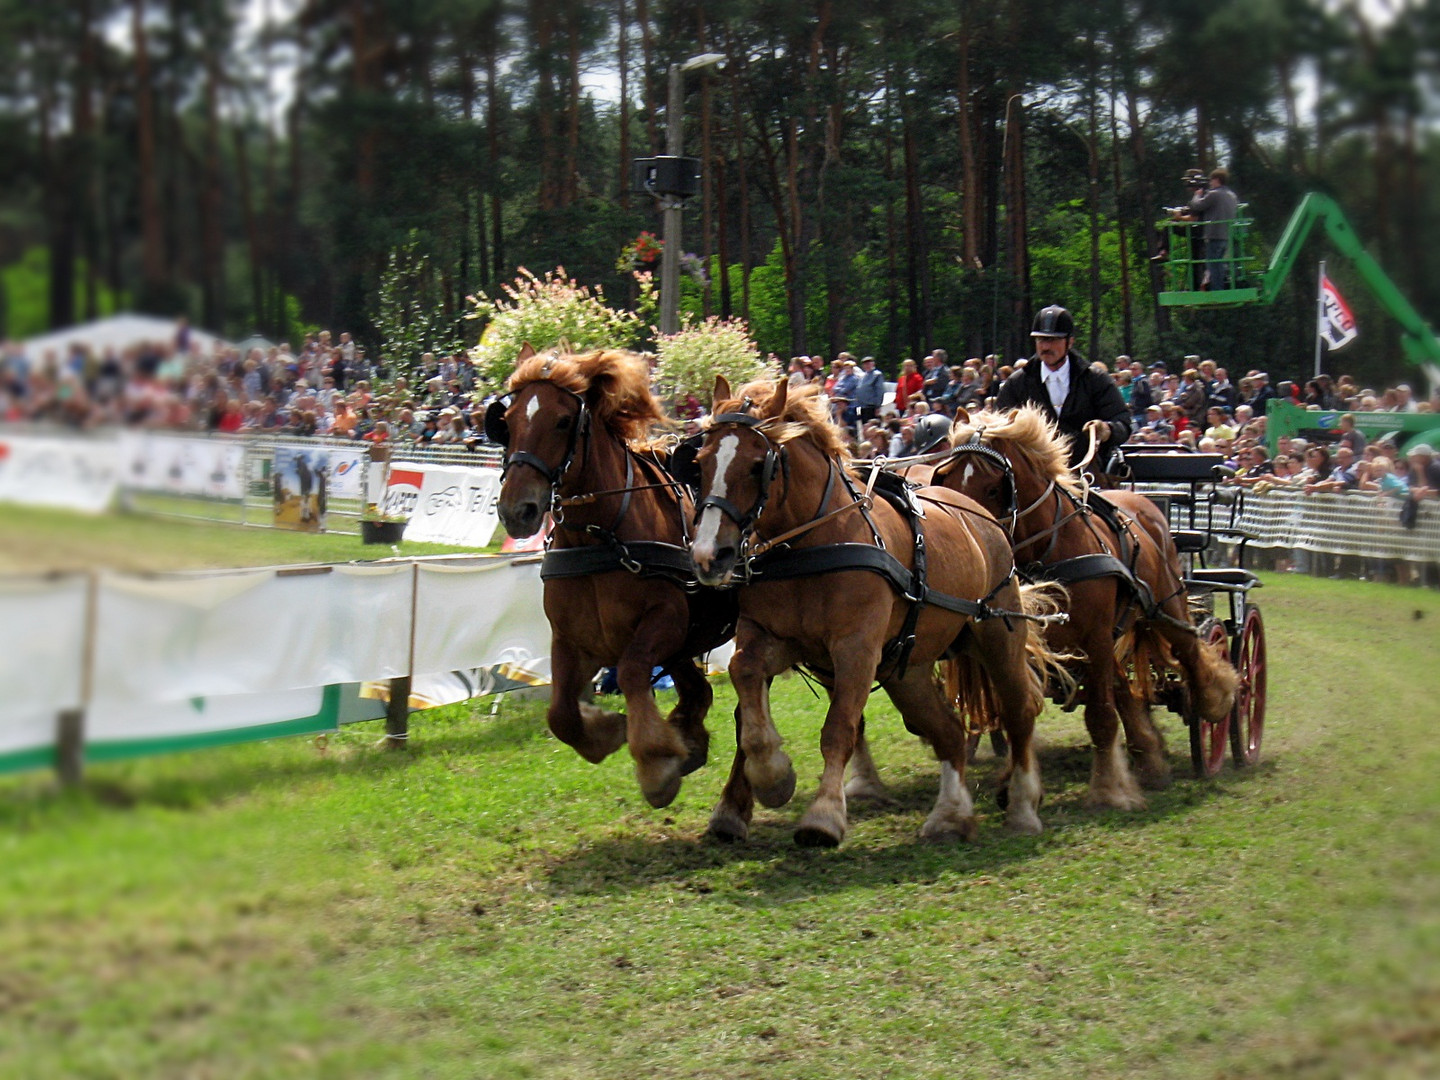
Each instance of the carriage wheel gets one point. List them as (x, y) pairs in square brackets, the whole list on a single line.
[(1247, 723), (1207, 740)]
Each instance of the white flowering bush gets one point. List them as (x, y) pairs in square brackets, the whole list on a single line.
[(546, 311), (690, 360)]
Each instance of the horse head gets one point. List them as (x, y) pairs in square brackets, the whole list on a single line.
[(738, 465), (542, 428)]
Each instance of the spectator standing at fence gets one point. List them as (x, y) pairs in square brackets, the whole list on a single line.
[(1424, 471), (908, 386), (1350, 435), (1342, 477)]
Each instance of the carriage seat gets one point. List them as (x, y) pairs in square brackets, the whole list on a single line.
[(1190, 541), (1230, 578)]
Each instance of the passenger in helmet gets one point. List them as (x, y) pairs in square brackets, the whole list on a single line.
[(1059, 381), (930, 430)]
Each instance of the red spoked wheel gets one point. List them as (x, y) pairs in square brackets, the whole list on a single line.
[(1247, 723), (1207, 739)]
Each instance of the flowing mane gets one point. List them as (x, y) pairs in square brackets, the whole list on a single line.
[(615, 384), (804, 415), (1029, 433)]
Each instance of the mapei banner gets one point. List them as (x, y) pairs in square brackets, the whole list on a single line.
[(72, 474), (447, 504)]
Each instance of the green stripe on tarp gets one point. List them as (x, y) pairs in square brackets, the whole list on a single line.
[(123, 749), (37, 757)]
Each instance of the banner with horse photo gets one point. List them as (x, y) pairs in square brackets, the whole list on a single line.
[(301, 477)]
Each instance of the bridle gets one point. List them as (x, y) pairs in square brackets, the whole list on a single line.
[(975, 445), (497, 430), (775, 463)]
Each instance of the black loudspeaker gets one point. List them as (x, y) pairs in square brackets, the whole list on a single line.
[(671, 177)]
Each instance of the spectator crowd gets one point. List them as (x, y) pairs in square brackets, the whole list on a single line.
[(325, 387)]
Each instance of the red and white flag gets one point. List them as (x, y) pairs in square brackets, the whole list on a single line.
[(1337, 325)]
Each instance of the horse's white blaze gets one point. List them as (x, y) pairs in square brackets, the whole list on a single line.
[(969, 472), (708, 530), (532, 408)]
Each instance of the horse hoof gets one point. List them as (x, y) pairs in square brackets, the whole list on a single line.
[(727, 827), (698, 746), (1155, 779), (815, 836), (862, 790), (1127, 801), (1025, 824), (947, 829), (1002, 797), (777, 789), (820, 829), (660, 782)]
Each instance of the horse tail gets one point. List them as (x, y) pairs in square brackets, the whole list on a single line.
[(1214, 681), (970, 691), (1047, 664)]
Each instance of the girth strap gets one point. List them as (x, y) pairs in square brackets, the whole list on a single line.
[(648, 558), (786, 563)]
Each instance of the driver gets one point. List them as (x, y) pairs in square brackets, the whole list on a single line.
[(1058, 380)]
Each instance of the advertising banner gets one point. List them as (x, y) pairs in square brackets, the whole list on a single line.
[(301, 480), (71, 474), (402, 491), (456, 506), (179, 465)]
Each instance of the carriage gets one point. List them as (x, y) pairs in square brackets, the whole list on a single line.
[(1204, 515)]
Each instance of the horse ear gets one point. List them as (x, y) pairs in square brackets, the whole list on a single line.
[(779, 399), (1012, 414), (721, 391), (961, 416), (526, 352)]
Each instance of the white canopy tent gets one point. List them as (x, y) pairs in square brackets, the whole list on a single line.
[(118, 332)]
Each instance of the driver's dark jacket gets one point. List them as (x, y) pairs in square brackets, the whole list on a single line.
[(1092, 397)]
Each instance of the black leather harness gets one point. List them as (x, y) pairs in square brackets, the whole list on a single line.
[(784, 563)]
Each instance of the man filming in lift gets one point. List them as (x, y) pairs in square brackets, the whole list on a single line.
[(1215, 206)]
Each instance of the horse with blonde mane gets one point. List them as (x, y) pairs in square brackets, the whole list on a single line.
[(857, 592), (619, 589), (1128, 602)]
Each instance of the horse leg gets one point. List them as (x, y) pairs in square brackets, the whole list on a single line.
[(1142, 737), (920, 701), (864, 782), (824, 822), (759, 658), (730, 820), (658, 749), (595, 733), (1019, 695), (690, 710), (1111, 782)]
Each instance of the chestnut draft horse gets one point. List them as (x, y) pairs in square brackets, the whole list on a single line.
[(857, 593), (619, 588), (1127, 600)]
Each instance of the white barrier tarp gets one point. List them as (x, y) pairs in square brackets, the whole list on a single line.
[(164, 640), (41, 659), (73, 474), (127, 728), (456, 504), (482, 616), (182, 465)]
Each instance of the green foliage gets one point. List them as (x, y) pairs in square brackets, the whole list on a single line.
[(690, 359), (546, 312), (408, 316), (25, 288)]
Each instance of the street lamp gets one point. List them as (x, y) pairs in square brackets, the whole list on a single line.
[(673, 201)]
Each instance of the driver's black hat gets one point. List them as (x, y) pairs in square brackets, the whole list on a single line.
[(1053, 321)]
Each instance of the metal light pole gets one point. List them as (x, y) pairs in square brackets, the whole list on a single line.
[(674, 223)]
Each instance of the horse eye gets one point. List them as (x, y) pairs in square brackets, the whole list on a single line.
[(755, 469), (562, 423)]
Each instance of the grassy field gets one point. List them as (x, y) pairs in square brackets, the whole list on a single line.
[(488, 905), (32, 539)]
